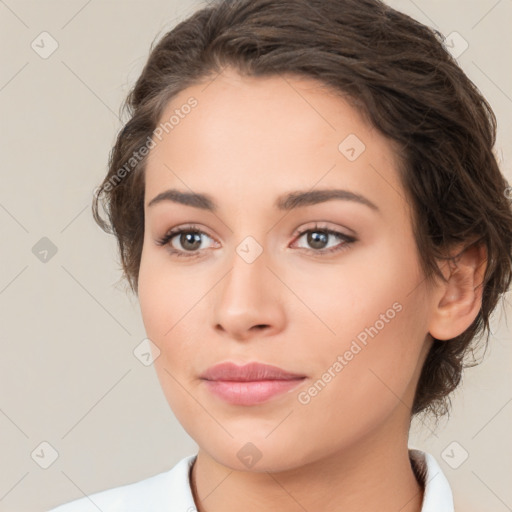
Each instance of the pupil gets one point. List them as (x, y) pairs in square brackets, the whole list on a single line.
[(317, 238), (189, 237)]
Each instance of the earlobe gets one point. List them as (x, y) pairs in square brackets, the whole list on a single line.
[(459, 300)]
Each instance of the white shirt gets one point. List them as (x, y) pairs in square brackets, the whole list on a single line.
[(170, 491)]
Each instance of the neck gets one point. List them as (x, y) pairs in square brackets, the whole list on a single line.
[(374, 474)]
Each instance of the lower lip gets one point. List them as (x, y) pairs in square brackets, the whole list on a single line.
[(251, 392)]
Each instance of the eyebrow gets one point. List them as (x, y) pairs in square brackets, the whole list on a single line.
[(286, 202)]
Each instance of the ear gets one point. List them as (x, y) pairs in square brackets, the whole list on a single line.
[(458, 301)]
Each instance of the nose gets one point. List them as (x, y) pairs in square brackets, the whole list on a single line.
[(248, 301)]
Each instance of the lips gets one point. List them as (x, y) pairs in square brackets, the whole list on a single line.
[(251, 384), (250, 372)]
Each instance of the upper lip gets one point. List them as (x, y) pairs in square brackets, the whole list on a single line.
[(249, 372)]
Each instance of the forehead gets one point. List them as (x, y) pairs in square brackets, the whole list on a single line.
[(265, 136)]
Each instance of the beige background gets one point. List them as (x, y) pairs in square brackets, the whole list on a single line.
[(68, 330)]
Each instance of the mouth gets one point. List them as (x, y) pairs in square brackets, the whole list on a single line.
[(250, 384)]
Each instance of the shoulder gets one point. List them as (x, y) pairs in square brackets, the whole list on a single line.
[(158, 493)]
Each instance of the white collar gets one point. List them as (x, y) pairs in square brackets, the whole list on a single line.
[(437, 495), (171, 490)]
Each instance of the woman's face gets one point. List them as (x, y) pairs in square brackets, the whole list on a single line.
[(351, 317)]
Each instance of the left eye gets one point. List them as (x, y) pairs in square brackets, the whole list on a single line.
[(318, 237)]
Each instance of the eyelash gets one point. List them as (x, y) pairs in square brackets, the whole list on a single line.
[(164, 241)]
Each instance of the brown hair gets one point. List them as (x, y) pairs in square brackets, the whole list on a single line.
[(399, 75)]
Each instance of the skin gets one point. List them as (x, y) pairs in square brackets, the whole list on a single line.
[(248, 141)]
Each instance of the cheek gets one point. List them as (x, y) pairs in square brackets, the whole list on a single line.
[(374, 317), (167, 293), (153, 303), (369, 286), (170, 299), (367, 372), (164, 305)]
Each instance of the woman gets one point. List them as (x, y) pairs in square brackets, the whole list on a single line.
[(309, 210)]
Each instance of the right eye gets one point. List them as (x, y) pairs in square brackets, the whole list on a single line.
[(188, 237)]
